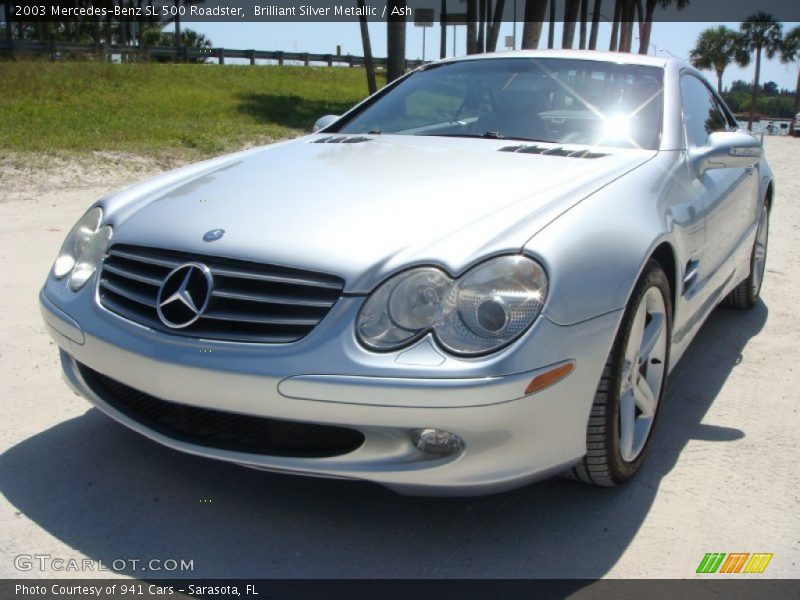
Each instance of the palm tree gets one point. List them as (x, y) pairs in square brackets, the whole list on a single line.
[(395, 42), (613, 44), (472, 27), (570, 17), (595, 24), (647, 21), (760, 32), (7, 16), (494, 29), (369, 66), (532, 29), (584, 11), (791, 52), (716, 47), (481, 26), (177, 22), (153, 36), (443, 32), (627, 14), (178, 37)]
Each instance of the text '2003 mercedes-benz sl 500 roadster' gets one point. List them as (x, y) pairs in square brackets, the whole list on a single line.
[(478, 277)]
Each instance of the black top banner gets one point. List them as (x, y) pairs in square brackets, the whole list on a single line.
[(422, 12)]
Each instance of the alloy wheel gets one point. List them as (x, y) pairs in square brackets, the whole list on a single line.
[(643, 373)]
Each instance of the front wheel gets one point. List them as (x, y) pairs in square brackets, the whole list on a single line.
[(632, 385), (747, 293)]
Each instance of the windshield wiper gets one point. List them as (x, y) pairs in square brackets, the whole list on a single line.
[(489, 135)]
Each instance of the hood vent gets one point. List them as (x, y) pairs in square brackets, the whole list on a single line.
[(342, 139), (558, 151)]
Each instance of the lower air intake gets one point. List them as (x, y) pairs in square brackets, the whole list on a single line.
[(224, 430)]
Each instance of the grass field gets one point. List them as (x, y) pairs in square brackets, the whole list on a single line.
[(157, 109)]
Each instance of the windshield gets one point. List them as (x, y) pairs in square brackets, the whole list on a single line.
[(558, 100)]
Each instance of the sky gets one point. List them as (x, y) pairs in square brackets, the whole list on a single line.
[(667, 39)]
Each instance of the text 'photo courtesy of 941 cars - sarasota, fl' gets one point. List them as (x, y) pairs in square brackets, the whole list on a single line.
[(476, 278)]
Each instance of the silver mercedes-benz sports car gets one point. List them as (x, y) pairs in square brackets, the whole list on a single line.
[(477, 277)]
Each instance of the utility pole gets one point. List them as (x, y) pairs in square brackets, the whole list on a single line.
[(514, 35), (443, 30)]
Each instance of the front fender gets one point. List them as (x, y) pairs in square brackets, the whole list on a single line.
[(595, 252)]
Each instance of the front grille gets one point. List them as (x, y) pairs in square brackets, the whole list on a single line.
[(223, 430), (250, 302)]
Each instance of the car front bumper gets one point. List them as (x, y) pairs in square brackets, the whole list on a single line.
[(510, 438)]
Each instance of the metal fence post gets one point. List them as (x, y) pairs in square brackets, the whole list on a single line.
[(221, 56)]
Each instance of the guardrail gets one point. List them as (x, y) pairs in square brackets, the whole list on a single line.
[(55, 49)]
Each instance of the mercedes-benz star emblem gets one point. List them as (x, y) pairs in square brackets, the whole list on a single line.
[(184, 295), (213, 235)]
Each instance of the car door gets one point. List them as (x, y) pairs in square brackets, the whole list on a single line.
[(728, 194)]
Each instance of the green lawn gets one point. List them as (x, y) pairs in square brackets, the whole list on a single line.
[(155, 109)]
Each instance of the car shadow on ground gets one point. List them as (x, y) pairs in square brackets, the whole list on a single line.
[(112, 494), (289, 111)]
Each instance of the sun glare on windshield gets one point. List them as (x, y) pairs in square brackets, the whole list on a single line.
[(563, 101)]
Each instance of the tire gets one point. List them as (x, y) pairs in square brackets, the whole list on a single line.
[(747, 293), (609, 460)]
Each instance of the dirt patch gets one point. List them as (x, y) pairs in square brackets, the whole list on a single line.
[(722, 474)]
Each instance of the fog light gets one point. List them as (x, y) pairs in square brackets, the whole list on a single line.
[(436, 441)]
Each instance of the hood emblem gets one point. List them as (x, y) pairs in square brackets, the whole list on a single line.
[(213, 235), (184, 295)]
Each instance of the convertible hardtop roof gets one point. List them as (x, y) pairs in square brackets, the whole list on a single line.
[(615, 57)]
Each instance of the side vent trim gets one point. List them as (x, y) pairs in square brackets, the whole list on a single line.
[(557, 151), (342, 139)]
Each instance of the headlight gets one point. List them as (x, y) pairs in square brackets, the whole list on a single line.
[(486, 308), (83, 249)]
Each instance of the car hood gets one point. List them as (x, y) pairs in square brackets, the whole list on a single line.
[(365, 209)]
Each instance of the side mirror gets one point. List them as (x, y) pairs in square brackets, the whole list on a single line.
[(324, 122), (727, 149)]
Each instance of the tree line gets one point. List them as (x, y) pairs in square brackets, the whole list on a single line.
[(716, 48), (581, 19), (760, 34), (141, 31)]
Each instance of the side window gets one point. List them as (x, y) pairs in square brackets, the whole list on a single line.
[(702, 115)]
